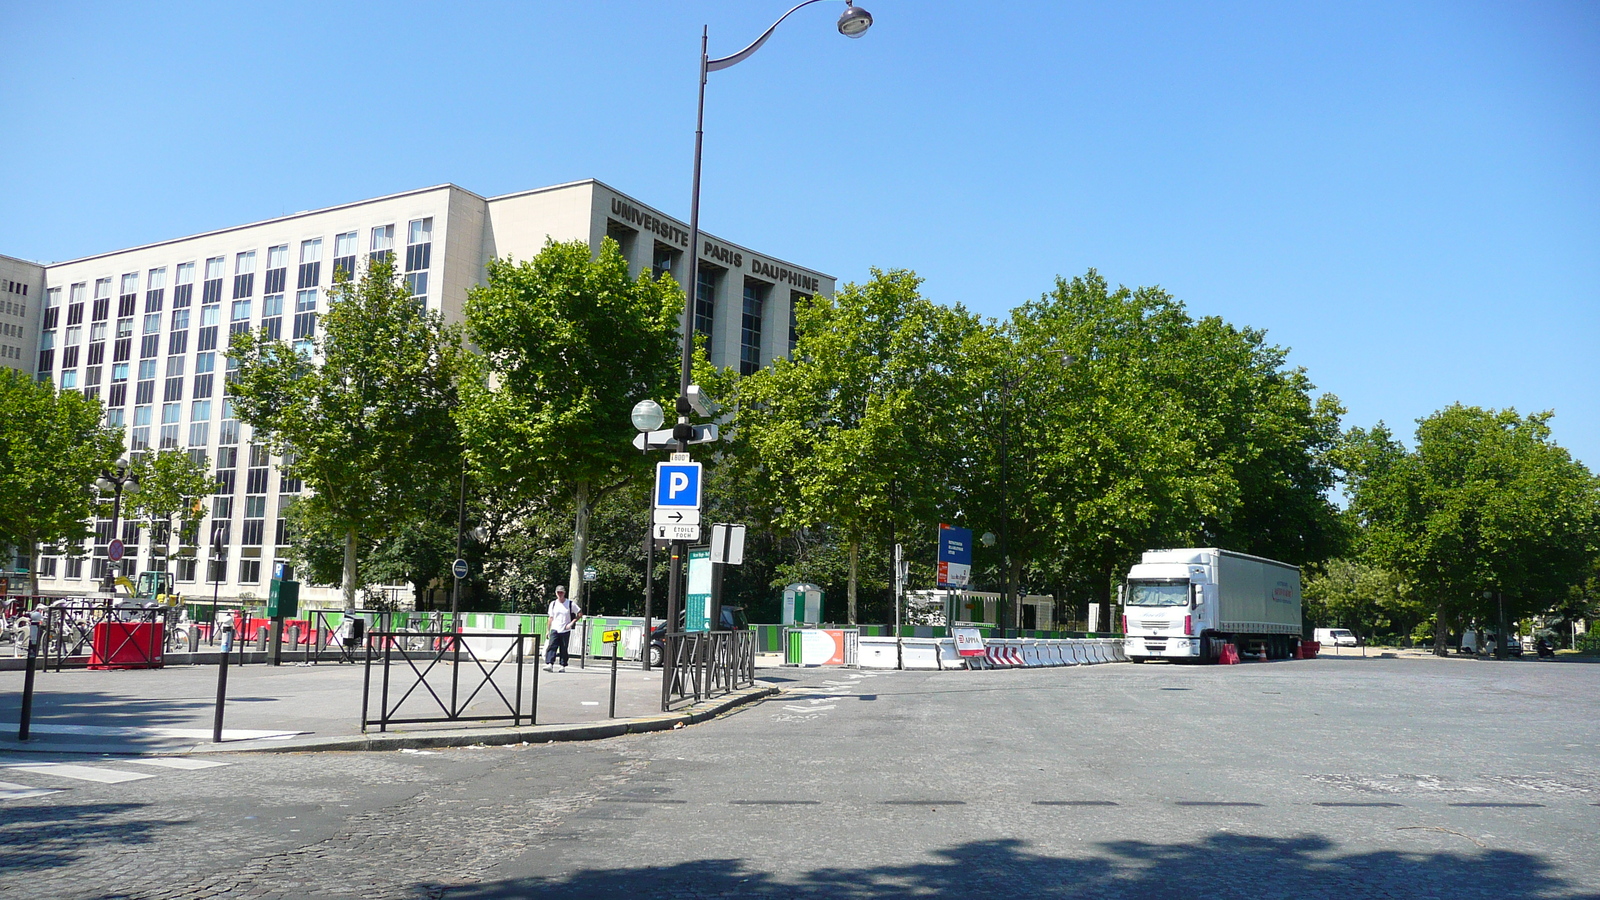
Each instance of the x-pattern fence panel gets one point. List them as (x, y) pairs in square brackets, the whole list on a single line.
[(407, 659)]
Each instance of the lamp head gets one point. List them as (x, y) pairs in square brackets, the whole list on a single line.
[(987, 539), (104, 484), (647, 415), (854, 22)]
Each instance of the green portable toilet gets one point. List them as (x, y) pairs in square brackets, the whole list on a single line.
[(802, 604)]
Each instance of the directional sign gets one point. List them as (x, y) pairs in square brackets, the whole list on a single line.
[(678, 485), (677, 532), (114, 552), (614, 636), (671, 516), (590, 573), (459, 568), (662, 439)]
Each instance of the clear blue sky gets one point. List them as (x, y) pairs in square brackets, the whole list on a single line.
[(1405, 194)]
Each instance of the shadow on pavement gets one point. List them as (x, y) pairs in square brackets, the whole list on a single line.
[(1222, 865), (39, 837)]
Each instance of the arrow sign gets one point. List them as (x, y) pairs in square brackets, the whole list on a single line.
[(661, 440), (671, 516)]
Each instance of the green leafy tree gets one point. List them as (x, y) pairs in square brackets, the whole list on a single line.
[(857, 432), (1486, 504), (172, 488), (1371, 601), (363, 410), (569, 343), (52, 447)]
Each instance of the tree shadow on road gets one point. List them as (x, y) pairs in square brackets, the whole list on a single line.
[(1221, 865), (37, 837)]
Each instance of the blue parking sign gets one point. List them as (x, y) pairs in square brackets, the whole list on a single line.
[(678, 485)]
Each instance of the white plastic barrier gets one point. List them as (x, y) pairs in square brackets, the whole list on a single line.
[(1030, 655), (1120, 648), (919, 653), (948, 657), (1099, 651), (878, 653)]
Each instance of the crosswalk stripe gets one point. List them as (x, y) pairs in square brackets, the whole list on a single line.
[(81, 773), (177, 762), (9, 791)]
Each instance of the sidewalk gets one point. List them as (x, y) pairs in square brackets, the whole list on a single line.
[(297, 707)]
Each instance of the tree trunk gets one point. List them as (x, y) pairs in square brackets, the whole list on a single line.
[(580, 541), (33, 567), (349, 583), (855, 553), (1441, 631)]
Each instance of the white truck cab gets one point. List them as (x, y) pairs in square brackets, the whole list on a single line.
[(1185, 604)]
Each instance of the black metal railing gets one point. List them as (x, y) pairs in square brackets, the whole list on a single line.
[(408, 658), (706, 664)]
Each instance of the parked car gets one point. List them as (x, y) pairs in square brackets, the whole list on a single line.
[(733, 619), (1335, 637), (1469, 643)]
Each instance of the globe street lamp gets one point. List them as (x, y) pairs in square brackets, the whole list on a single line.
[(647, 417), (118, 479), (853, 23)]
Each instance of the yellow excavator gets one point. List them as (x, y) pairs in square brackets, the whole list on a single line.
[(152, 586)]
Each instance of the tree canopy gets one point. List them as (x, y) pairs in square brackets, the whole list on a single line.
[(361, 411), (52, 447)]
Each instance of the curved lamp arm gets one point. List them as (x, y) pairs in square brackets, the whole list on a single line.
[(713, 65)]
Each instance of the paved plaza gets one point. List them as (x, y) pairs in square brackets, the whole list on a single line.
[(1338, 777)]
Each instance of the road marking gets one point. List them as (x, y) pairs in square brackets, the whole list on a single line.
[(240, 734), (810, 709), (1075, 803), (9, 791), (81, 773), (177, 762)]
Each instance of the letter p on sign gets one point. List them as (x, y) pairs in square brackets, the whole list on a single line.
[(678, 485)]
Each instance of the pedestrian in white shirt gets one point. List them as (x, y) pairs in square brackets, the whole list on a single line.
[(564, 614)]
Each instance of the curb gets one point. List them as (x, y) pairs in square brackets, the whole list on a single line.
[(532, 734)]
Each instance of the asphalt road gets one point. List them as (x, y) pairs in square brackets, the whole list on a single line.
[(1327, 778)]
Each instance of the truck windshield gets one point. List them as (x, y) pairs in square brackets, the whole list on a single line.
[(1158, 593)]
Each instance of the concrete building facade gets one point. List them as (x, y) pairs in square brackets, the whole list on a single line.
[(146, 331)]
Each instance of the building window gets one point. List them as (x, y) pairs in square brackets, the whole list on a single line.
[(155, 289), (305, 315), (705, 300), (250, 570), (244, 274), (755, 300), (310, 263), (199, 423), (211, 291), (272, 316), (382, 243), (240, 320), (795, 300), (141, 427), (209, 316), (344, 255), (277, 269), (183, 287), (625, 237), (128, 300), (102, 299), (664, 262), (255, 512), (52, 307), (419, 255)]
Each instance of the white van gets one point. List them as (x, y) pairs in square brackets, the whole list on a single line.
[(1335, 637)]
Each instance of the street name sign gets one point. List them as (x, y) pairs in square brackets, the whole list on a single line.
[(459, 568), (677, 532)]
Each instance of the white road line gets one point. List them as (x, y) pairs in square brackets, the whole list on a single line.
[(176, 762), (81, 773), (9, 791), (808, 709)]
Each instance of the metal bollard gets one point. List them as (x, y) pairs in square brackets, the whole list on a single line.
[(294, 636), (194, 639), (27, 681), (222, 684), (261, 639)]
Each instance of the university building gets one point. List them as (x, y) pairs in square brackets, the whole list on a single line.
[(146, 331)]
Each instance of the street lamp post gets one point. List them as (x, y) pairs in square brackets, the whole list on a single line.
[(118, 479), (647, 417), (853, 23)]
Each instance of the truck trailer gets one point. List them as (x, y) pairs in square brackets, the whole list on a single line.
[(1187, 604)]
